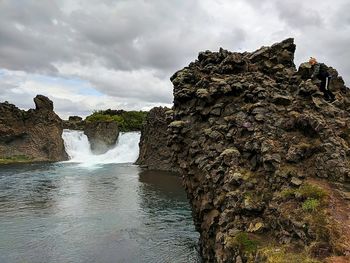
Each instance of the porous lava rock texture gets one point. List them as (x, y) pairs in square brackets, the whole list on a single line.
[(102, 135), (262, 156), (33, 135), (154, 152)]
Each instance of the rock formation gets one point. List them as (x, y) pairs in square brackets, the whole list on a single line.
[(154, 152), (102, 135), (264, 158), (74, 123), (33, 135)]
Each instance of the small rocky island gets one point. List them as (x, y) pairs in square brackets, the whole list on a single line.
[(102, 127), (263, 157)]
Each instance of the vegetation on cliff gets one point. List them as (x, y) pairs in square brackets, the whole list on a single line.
[(15, 159), (126, 120)]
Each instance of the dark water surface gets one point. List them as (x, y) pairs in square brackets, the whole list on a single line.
[(116, 213)]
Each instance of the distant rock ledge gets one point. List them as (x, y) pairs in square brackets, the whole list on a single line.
[(74, 123), (154, 152), (31, 136)]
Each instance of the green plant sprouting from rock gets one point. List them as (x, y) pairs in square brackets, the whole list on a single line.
[(310, 204)]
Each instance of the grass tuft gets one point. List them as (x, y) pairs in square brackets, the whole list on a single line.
[(310, 205)]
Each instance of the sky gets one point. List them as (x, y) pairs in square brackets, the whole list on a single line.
[(88, 55)]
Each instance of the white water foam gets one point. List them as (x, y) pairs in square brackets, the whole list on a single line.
[(77, 147)]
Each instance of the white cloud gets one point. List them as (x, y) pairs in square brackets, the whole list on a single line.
[(68, 98), (140, 84)]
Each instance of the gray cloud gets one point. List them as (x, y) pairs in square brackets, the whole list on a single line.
[(127, 50), (298, 15)]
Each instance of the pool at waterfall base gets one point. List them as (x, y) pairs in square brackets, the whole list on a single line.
[(105, 212)]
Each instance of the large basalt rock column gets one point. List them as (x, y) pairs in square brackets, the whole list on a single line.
[(154, 151), (33, 135), (258, 148), (102, 135)]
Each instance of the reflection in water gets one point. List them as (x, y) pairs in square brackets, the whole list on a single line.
[(168, 215), (65, 213)]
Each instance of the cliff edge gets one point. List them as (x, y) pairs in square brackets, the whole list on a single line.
[(31, 136), (264, 158), (154, 151)]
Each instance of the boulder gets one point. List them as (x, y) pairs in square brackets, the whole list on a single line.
[(102, 135)]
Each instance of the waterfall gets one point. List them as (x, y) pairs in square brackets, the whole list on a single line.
[(77, 147)]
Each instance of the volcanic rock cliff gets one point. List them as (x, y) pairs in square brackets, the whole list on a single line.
[(264, 158), (33, 135), (154, 152)]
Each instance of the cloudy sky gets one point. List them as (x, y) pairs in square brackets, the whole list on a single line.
[(98, 54)]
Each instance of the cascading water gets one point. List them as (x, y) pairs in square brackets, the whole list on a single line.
[(77, 146)]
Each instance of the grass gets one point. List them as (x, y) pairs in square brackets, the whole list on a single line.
[(282, 255), (243, 242), (126, 120), (310, 205), (15, 159), (310, 202), (306, 191), (312, 191)]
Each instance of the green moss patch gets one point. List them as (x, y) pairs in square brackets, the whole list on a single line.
[(243, 242), (310, 205), (306, 191), (312, 191), (15, 159)]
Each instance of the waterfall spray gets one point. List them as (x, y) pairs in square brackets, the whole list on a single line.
[(77, 146)]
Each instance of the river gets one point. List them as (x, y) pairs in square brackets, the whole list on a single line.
[(94, 209)]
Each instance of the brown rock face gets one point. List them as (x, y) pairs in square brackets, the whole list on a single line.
[(256, 144), (35, 135), (102, 135), (43, 103), (154, 152)]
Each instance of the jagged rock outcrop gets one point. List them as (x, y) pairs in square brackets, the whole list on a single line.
[(33, 135), (264, 158), (154, 152), (74, 123), (102, 135)]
